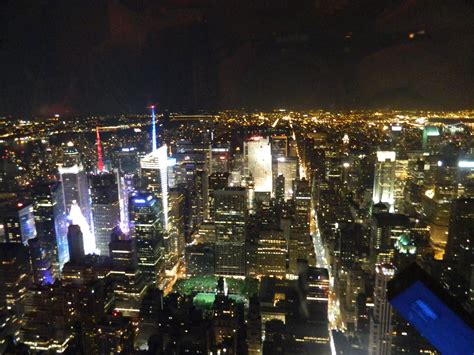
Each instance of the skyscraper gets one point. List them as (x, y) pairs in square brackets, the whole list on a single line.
[(217, 181), (76, 243), (14, 278), (384, 179), (74, 183), (231, 224), (105, 208), (154, 175), (51, 223), (40, 262), (271, 254), (460, 246), (288, 167), (147, 230), (258, 162), (380, 335), (301, 242), (17, 223)]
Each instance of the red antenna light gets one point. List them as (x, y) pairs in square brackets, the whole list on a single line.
[(100, 162)]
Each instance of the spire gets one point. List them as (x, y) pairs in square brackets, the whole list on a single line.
[(153, 129), (100, 162)]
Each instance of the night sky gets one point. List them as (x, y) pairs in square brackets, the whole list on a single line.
[(68, 56)]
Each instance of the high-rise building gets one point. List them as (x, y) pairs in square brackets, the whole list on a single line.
[(380, 335), (386, 229), (217, 181), (129, 283), (51, 223), (154, 176), (176, 241), (192, 172), (200, 259), (14, 278), (47, 325), (279, 146), (75, 184), (220, 158), (105, 208), (231, 223), (384, 179), (40, 263), (75, 243), (301, 243), (280, 189), (460, 246), (17, 222), (288, 167), (254, 327), (271, 254), (258, 163), (147, 229)]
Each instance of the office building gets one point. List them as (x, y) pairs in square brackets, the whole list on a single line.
[(105, 208), (231, 224), (384, 179), (301, 243), (288, 167), (74, 184), (147, 229), (271, 254), (460, 246), (154, 178), (75, 240), (51, 223), (15, 279), (380, 334), (200, 259), (17, 222), (258, 163)]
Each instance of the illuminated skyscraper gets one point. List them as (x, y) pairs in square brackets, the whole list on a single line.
[(154, 175), (129, 282), (301, 242), (105, 208), (146, 223), (231, 223), (384, 179), (192, 171), (288, 167), (258, 162), (271, 254), (51, 223), (74, 183), (380, 336)]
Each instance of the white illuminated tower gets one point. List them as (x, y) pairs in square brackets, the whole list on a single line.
[(258, 161), (154, 174), (380, 334), (384, 179), (75, 187)]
